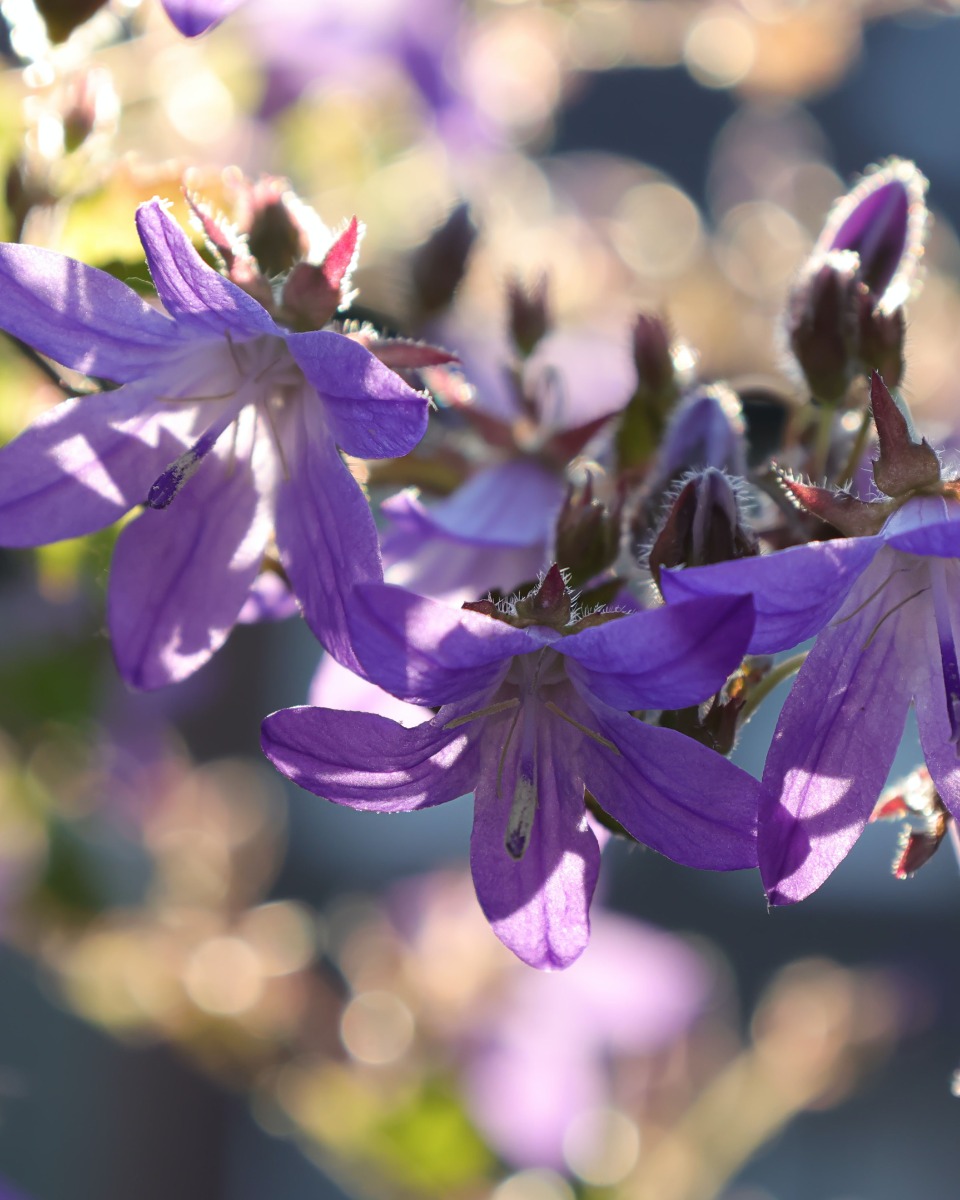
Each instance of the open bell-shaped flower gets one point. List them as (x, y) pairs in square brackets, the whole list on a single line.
[(533, 710)]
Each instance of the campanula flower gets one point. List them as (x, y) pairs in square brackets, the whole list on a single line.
[(885, 604), (496, 529), (532, 711), (225, 425)]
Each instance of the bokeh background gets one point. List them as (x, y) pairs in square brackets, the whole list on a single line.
[(214, 986)]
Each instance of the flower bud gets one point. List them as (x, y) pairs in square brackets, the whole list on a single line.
[(528, 314), (823, 324), (706, 430), (587, 534), (883, 221), (704, 526), (440, 263), (645, 415)]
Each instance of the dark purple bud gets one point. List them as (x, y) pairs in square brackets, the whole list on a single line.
[(440, 263), (903, 465), (528, 314), (645, 416), (706, 430), (587, 534), (653, 357), (704, 526), (881, 341), (823, 324), (883, 221), (548, 603)]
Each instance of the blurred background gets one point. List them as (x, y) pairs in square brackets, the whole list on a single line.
[(218, 987)]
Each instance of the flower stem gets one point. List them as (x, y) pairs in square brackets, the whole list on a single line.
[(856, 450)]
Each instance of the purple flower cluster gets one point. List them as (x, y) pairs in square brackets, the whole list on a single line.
[(222, 417)]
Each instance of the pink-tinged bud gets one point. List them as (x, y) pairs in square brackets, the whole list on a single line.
[(882, 220), (528, 314), (645, 416), (90, 105), (440, 263), (313, 292), (274, 232), (587, 534), (903, 465), (704, 526), (823, 324), (548, 603), (848, 515)]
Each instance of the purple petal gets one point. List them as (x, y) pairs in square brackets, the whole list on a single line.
[(194, 294), (334, 686), (795, 592), (193, 17), (837, 736), (81, 317), (81, 465), (181, 576), (444, 567), (671, 793), (372, 412), (326, 535), (269, 599), (512, 504), (666, 658), (924, 658), (427, 652), (538, 904), (368, 762), (877, 231), (926, 525)]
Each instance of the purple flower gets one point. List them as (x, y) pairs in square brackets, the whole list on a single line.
[(528, 718), (193, 17), (541, 1056), (886, 606), (225, 424), (496, 529)]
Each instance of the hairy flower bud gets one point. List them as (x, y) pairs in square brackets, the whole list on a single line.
[(645, 415), (704, 526), (587, 534), (440, 263), (528, 314), (883, 221), (823, 324)]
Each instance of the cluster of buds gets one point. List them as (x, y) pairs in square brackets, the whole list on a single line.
[(845, 314)]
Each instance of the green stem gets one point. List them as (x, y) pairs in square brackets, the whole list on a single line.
[(856, 450), (821, 449), (789, 666)]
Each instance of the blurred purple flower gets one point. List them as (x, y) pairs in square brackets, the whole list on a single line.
[(528, 718), (887, 611), (193, 17), (541, 1055), (215, 390), (497, 529), (706, 430), (303, 43)]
